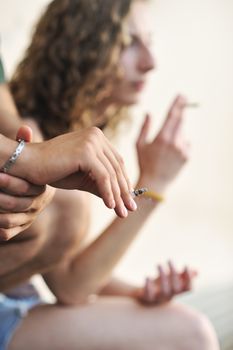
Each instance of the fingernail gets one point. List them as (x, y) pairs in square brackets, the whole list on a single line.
[(133, 204), (124, 212), (112, 204)]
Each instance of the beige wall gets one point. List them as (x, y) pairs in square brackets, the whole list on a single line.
[(194, 46)]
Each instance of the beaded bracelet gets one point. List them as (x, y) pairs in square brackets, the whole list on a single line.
[(14, 156)]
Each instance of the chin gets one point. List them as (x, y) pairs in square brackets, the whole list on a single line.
[(127, 100)]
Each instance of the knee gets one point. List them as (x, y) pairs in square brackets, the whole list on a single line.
[(197, 331)]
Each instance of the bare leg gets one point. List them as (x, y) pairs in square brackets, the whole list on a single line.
[(114, 324)]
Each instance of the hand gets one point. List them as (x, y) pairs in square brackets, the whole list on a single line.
[(166, 285), (80, 160), (20, 204), (20, 201), (161, 160)]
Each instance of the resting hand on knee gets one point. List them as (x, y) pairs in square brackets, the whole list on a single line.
[(168, 284)]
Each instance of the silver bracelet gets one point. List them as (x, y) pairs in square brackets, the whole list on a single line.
[(14, 156)]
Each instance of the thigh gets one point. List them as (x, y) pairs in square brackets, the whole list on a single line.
[(107, 324)]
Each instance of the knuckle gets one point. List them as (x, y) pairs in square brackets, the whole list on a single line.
[(121, 161), (6, 221), (178, 148), (94, 131), (4, 235), (117, 170), (88, 148), (105, 178), (10, 203), (113, 177), (163, 139), (24, 187), (4, 180)]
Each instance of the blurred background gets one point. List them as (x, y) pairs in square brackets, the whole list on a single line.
[(194, 49)]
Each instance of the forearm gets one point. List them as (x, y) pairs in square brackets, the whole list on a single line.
[(90, 271), (7, 147), (26, 165), (116, 287)]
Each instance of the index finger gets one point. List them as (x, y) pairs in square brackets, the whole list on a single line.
[(19, 187), (174, 117)]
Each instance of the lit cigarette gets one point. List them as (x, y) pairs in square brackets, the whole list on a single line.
[(139, 191), (192, 104)]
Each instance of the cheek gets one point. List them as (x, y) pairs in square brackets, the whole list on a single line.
[(128, 63)]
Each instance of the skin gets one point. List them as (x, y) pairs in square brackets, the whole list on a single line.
[(137, 60), (87, 162), (74, 271)]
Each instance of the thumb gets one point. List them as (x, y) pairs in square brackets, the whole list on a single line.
[(24, 133), (144, 131)]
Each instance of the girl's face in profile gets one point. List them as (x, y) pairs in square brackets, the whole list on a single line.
[(136, 59)]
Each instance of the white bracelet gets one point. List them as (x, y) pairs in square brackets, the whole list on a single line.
[(14, 156)]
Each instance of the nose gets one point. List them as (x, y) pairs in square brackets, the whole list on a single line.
[(147, 61)]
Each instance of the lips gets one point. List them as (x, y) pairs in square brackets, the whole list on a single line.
[(138, 85)]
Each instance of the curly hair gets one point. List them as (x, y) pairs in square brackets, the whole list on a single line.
[(74, 49)]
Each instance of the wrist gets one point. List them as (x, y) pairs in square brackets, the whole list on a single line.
[(156, 185), (29, 165), (8, 147), (135, 293)]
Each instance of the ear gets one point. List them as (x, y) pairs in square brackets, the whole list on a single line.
[(24, 133)]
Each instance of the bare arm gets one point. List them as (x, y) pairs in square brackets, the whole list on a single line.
[(87, 272), (85, 161), (167, 283), (160, 161)]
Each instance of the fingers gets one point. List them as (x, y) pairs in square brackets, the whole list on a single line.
[(172, 125), (168, 284), (176, 285), (19, 187), (14, 204), (24, 133), (108, 172), (165, 285), (120, 183), (187, 277), (9, 221), (98, 169), (144, 131), (7, 234), (102, 179), (150, 294), (111, 184), (108, 187)]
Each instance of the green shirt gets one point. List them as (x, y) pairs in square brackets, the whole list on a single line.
[(2, 75)]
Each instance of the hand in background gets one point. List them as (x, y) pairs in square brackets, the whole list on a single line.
[(167, 285), (161, 160)]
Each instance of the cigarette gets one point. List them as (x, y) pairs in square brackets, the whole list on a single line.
[(192, 104), (139, 191)]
